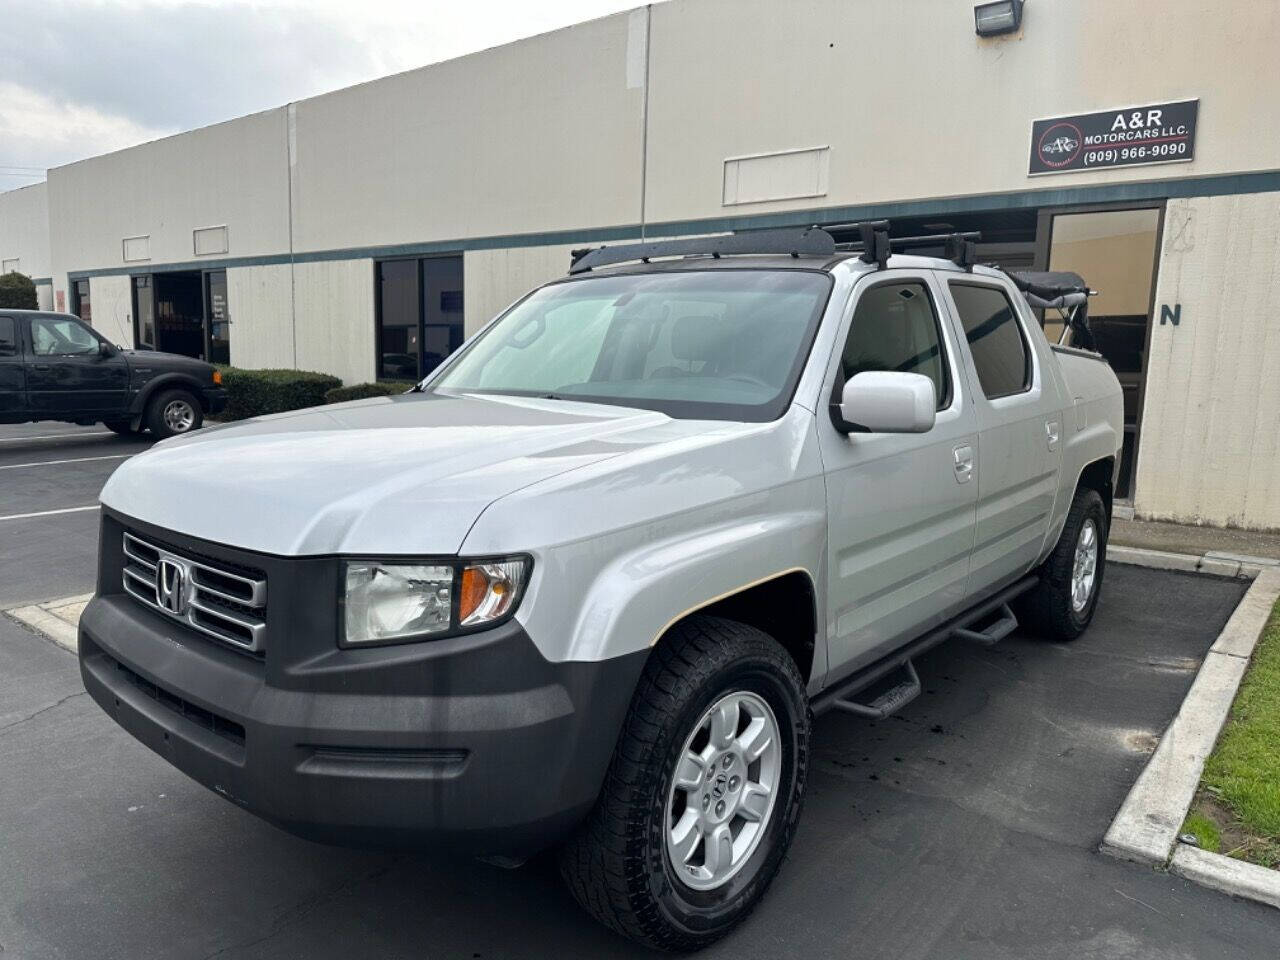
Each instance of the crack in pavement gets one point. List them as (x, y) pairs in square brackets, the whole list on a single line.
[(44, 709)]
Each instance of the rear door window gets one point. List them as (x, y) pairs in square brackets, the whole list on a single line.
[(999, 349)]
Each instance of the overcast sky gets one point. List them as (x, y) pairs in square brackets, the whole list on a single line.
[(83, 77)]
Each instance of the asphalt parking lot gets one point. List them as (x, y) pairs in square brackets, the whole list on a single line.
[(965, 827)]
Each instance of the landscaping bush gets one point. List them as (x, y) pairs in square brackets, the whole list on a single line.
[(17, 292), (252, 393), (359, 391)]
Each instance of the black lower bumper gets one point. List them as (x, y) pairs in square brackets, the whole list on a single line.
[(215, 400), (498, 751)]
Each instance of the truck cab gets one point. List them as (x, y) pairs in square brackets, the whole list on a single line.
[(53, 366), (587, 586)]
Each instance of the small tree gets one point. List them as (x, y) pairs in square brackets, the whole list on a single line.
[(17, 292)]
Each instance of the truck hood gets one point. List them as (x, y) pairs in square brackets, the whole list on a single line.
[(391, 475)]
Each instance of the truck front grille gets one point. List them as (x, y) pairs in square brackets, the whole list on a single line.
[(229, 605)]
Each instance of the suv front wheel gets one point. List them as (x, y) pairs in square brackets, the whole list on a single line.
[(704, 790)]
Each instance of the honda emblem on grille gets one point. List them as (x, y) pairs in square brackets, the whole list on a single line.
[(171, 586)]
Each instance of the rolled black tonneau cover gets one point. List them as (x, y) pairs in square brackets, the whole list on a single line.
[(1049, 284), (1059, 290)]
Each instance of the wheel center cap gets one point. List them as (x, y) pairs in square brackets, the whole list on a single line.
[(720, 787)]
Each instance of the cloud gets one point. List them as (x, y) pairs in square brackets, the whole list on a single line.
[(39, 131), (82, 77)]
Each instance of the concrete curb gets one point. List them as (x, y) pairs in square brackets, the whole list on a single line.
[(1146, 828), (1240, 879), (1219, 565), (56, 619)]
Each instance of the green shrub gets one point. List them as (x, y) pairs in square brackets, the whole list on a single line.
[(252, 393), (17, 292), (359, 391)]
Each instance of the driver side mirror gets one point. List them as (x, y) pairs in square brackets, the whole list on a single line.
[(885, 401), (106, 350)]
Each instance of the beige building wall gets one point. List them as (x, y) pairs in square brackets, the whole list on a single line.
[(260, 300), (911, 104), (494, 279), (233, 174), (333, 308), (1210, 445), (540, 135), (24, 229), (312, 316)]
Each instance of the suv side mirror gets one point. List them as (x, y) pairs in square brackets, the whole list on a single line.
[(106, 350), (885, 401)]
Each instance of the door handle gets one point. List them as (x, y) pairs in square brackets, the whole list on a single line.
[(40, 366), (963, 463)]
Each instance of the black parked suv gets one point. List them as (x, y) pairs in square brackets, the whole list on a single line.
[(53, 366)]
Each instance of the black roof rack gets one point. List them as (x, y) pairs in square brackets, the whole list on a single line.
[(876, 244), (816, 241), (807, 242)]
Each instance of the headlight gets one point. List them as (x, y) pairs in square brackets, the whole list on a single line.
[(386, 602)]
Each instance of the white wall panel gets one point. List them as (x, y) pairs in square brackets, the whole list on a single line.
[(260, 303), (111, 299), (334, 311), (1210, 445), (24, 229), (496, 278)]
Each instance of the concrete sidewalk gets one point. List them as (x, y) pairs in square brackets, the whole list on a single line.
[(1213, 542)]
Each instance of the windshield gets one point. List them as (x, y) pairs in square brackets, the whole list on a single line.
[(714, 344)]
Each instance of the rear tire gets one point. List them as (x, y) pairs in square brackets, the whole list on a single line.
[(1061, 605), (647, 862), (172, 413)]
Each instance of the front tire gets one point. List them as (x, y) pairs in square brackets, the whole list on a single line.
[(174, 412), (1061, 605), (122, 427), (704, 791)]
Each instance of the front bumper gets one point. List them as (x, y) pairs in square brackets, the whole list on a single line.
[(475, 743), (215, 399)]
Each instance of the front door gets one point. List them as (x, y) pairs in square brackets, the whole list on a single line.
[(900, 507), (1020, 419), (67, 375)]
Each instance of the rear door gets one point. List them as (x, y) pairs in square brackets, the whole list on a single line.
[(900, 507), (13, 382), (1019, 418), (67, 375)]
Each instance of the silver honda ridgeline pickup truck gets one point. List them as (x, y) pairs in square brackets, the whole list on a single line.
[(586, 586)]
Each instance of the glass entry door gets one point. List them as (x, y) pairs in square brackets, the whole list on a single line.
[(1115, 251), (219, 314)]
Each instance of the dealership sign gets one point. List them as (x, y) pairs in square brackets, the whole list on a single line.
[(1160, 133)]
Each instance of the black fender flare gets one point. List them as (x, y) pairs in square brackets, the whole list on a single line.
[(164, 381)]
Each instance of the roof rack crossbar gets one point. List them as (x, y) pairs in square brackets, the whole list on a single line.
[(806, 242), (875, 243)]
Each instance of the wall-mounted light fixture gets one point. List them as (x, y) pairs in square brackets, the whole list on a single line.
[(993, 19)]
